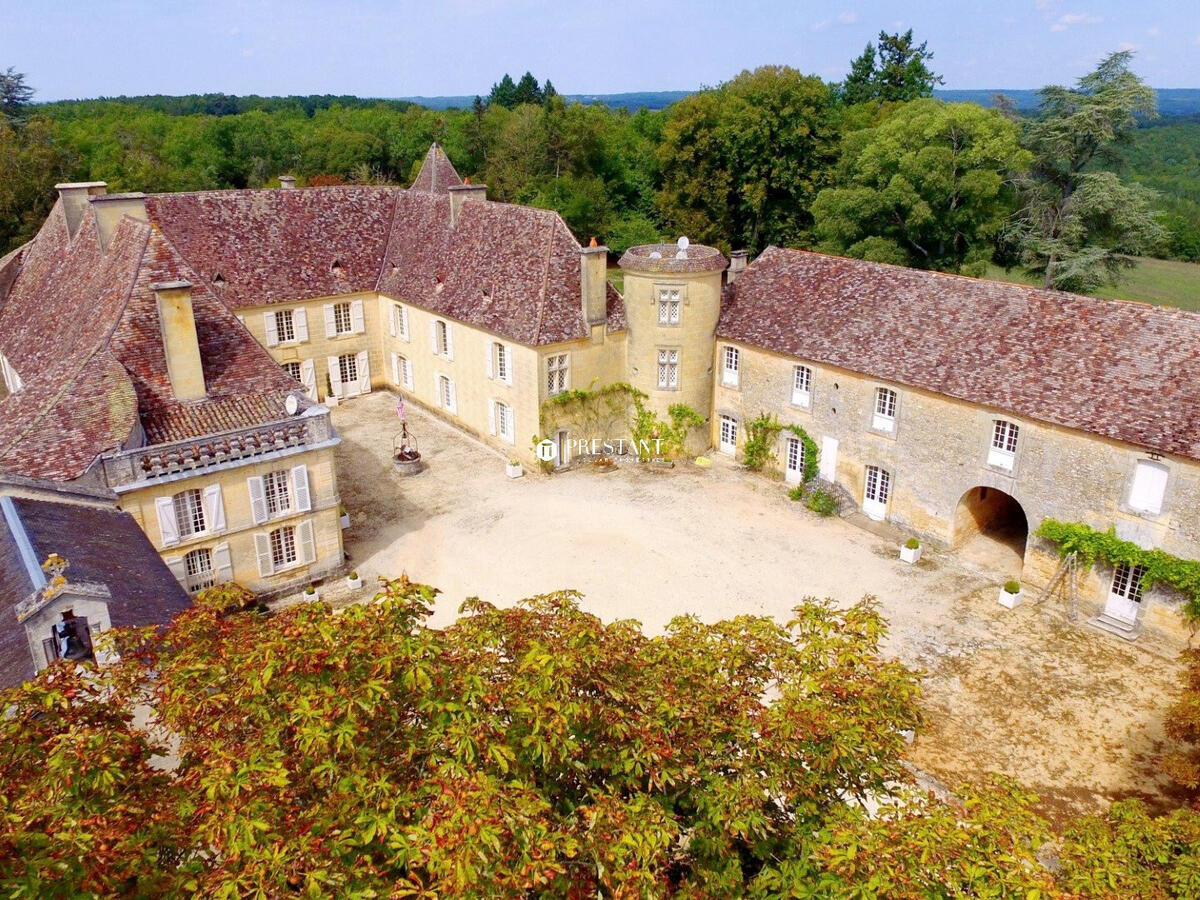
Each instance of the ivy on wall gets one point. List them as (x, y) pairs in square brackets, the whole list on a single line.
[(1160, 567), (759, 449)]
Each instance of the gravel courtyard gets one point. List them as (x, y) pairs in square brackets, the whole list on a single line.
[(1073, 714)]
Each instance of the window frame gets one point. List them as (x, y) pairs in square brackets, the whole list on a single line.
[(802, 397), (731, 375), (668, 368), (344, 368), (1128, 582), (337, 319), (793, 447), (1002, 447), (885, 409), (286, 535), (292, 362), (669, 306), (193, 498), (441, 329), (282, 317), (400, 321), (562, 371), (1152, 511), (197, 579), (277, 483)]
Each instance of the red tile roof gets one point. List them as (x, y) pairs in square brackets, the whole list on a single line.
[(437, 173), (1123, 370)]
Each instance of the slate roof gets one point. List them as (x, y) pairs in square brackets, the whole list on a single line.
[(102, 546), (1127, 371), (437, 174)]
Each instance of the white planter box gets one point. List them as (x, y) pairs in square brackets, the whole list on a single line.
[(332, 402), (315, 595), (910, 554), (354, 583), (1010, 601), (514, 471), (345, 520)]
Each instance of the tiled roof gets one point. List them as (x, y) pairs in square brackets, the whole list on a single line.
[(102, 546), (437, 173), (1123, 370)]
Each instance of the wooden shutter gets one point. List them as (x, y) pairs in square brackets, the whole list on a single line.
[(396, 369), (1149, 487), (308, 378), (178, 568), (491, 416), (449, 341), (330, 322), (214, 508), (508, 364), (433, 336), (306, 547), (166, 521), (272, 328), (222, 563), (258, 499), (300, 323), (262, 549), (453, 397), (363, 364), (394, 314), (357, 323), (403, 311), (491, 349), (300, 488), (335, 375)]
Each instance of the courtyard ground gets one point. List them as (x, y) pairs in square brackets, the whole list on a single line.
[(1073, 713)]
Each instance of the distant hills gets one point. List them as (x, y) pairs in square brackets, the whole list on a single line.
[(1171, 101)]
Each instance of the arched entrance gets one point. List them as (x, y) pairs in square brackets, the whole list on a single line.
[(990, 530)]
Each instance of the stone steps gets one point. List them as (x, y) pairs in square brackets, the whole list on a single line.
[(1121, 629)]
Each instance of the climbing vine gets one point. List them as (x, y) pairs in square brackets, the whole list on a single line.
[(759, 449), (1090, 545), (672, 435)]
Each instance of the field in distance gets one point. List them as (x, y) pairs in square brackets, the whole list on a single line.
[(1166, 282)]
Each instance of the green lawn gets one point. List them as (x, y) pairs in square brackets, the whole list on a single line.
[(1162, 281)]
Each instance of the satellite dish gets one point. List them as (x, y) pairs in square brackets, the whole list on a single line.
[(291, 404), (654, 254), (683, 243), (681, 254)]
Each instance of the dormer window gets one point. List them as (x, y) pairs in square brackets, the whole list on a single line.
[(337, 269), (12, 380), (218, 278)]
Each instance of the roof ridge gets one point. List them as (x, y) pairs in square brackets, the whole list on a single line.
[(387, 245), (541, 307)]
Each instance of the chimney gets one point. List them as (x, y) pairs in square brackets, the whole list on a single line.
[(75, 196), (287, 182), (593, 282), (111, 208), (180, 343), (460, 194), (737, 265)]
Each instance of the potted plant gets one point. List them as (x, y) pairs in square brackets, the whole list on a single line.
[(910, 552), (514, 469), (311, 593), (331, 399), (354, 581), (1010, 594), (343, 517)]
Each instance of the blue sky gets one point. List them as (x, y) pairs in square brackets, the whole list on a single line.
[(71, 48)]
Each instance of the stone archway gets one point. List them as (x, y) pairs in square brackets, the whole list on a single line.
[(991, 531)]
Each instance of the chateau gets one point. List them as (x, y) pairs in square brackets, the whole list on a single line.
[(171, 358)]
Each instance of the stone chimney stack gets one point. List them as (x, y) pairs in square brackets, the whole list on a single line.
[(75, 196), (180, 342), (460, 194), (738, 260), (593, 282), (287, 182), (111, 208)]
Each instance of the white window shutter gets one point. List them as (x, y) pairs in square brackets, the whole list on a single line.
[(433, 336), (308, 378), (1149, 487), (407, 373), (335, 375), (222, 563), (364, 372), (214, 508), (330, 322), (511, 423), (491, 350), (508, 364), (258, 499), (491, 416), (300, 323), (178, 568), (396, 369), (272, 328), (357, 323), (166, 521), (449, 341), (453, 398), (300, 487), (305, 545), (392, 319), (437, 390), (262, 549)]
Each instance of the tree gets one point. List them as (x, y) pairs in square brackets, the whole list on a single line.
[(504, 93), (894, 71), (1078, 228), (929, 187), (15, 94), (528, 90), (742, 163)]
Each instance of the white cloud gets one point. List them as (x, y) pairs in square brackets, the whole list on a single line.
[(849, 17), (819, 26), (1066, 20), (1126, 46)]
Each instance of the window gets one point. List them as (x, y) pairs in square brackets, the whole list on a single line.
[(399, 323), (499, 362), (885, 410), (728, 437), (1004, 444), (277, 493), (668, 370), (802, 386), (1149, 487), (446, 394), (502, 422), (441, 338), (402, 371), (1127, 582), (189, 512), (347, 368), (198, 566), (342, 320), (876, 492), (284, 327), (283, 546), (556, 374), (668, 306), (730, 368), (794, 456), (293, 369)]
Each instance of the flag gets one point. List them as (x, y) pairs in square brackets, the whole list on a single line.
[(400, 408)]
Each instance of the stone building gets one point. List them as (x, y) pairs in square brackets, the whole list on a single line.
[(221, 324)]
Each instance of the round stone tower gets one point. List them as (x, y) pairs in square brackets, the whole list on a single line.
[(672, 299)]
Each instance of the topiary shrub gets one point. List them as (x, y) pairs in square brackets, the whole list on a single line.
[(1012, 587), (912, 543)]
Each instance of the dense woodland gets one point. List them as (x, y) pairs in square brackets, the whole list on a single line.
[(870, 167)]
